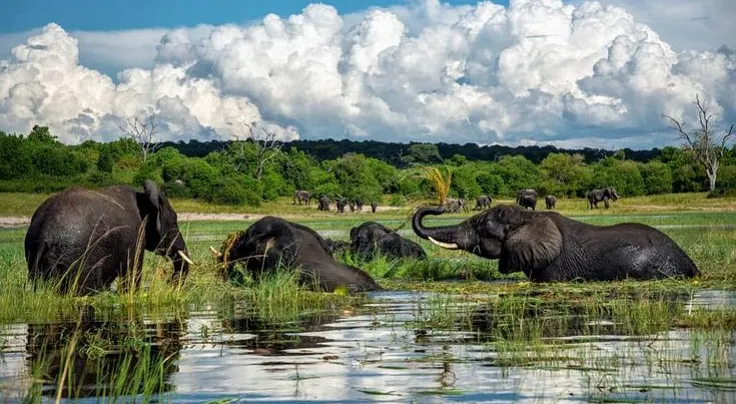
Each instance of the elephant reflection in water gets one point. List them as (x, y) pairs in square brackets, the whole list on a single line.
[(102, 355)]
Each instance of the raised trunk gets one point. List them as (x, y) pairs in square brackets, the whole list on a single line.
[(460, 234)]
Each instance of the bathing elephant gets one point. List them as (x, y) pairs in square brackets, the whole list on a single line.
[(483, 202), (547, 246), (550, 201), (86, 239), (371, 238), (324, 203), (302, 196), (272, 242), (527, 198), (598, 195)]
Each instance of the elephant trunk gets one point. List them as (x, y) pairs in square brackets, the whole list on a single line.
[(460, 236)]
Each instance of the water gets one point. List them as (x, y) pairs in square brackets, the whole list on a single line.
[(382, 352)]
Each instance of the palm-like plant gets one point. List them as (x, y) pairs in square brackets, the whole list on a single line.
[(441, 182)]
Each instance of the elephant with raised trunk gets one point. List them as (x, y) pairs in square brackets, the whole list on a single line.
[(527, 198), (550, 201), (272, 242), (598, 195), (86, 239), (483, 202), (547, 246), (302, 196)]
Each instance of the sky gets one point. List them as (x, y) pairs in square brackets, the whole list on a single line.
[(524, 72)]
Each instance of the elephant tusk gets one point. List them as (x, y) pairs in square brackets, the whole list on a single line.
[(215, 252), (184, 257), (449, 246)]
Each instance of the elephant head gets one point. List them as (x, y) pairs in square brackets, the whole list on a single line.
[(611, 192), (522, 240), (162, 230)]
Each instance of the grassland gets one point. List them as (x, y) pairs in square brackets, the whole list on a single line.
[(518, 318)]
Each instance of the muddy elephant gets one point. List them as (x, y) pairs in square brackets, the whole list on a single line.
[(598, 195), (547, 246), (527, 198), (272, 243), (324, 203), (83, 240), (302, 196), (374, 207), (371, 239), (483, 202), (550, 201)]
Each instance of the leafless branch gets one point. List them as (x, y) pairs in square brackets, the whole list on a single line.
[(267, 147), (143, 131)]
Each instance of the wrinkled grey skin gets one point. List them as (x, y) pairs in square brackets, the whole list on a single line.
[(547, 246), (483, 202), (527, 198), (598, 195), (88, 238), (340, 203), (371, 238), (550, 201), (324, 203), (272, 241), (456, 205), (302, 196), (374, 206)]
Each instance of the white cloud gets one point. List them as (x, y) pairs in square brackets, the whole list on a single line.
[(539, 71)]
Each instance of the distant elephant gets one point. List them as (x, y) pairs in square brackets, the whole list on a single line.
[(371, 238), (359, 204), (86, 239), (482, 202), (302, 196), (324, 203), (527, 198), (547, 246), (374, 206), (272, 242), (550, 201), (598, 195), (340, 203), (351, 205), (455, 205)]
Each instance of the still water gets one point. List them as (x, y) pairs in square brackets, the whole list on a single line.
[(380, 352)]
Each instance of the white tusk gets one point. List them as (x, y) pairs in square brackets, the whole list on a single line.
[(448, 246), (184, 257), (215, 252)]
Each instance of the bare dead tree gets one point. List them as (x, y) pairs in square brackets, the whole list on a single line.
[(143, 131), (266, 144), (706, 142)]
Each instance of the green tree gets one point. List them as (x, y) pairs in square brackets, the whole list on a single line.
[(517, 173), (565, 174), (657, 178), (422, 153)]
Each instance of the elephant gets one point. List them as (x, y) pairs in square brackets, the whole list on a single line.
[(340, 203), (359, 204), (371, 238), (604, 195), (547, 246), (272, 242), (374, 206), (483, 202), (324, 203), (85, 239), (351, 205), (527, 198), (550, 201), (302, 196), (336, 246), (455, 205)]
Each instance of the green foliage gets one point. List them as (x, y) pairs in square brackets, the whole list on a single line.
[(422, 153), (106, 161), (657, 178), (624, 175), (726, 184), (517, 173), (565, 175), (236, 191), (354, 178), (464, 183)]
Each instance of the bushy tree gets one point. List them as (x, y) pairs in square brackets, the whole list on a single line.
[(517, 173), (657, 178), (564, 175)]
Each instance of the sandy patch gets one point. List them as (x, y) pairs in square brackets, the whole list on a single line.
[(10, 222)]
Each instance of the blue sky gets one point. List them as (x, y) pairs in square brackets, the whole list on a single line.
[(98, 15)]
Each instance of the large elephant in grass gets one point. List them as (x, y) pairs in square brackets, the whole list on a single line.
[(547, 246), (527, 198), (272, 243), (371, 239), (598, 195), (84, 240)]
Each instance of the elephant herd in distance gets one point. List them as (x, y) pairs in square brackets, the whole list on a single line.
[(83, 240), (323, 202)]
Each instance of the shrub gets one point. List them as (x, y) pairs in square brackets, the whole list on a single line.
[(233, 191)]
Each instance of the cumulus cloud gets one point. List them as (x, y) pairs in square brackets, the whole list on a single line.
[(535, 72)]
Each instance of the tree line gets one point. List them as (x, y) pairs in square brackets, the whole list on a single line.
[(250, 172)]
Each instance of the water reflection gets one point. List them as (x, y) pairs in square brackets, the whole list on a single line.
[(396, 350)]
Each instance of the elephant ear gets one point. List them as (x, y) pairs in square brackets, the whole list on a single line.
[(532, 246), (154, 197)]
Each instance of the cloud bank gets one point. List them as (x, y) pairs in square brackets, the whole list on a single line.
[(536, 72)]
